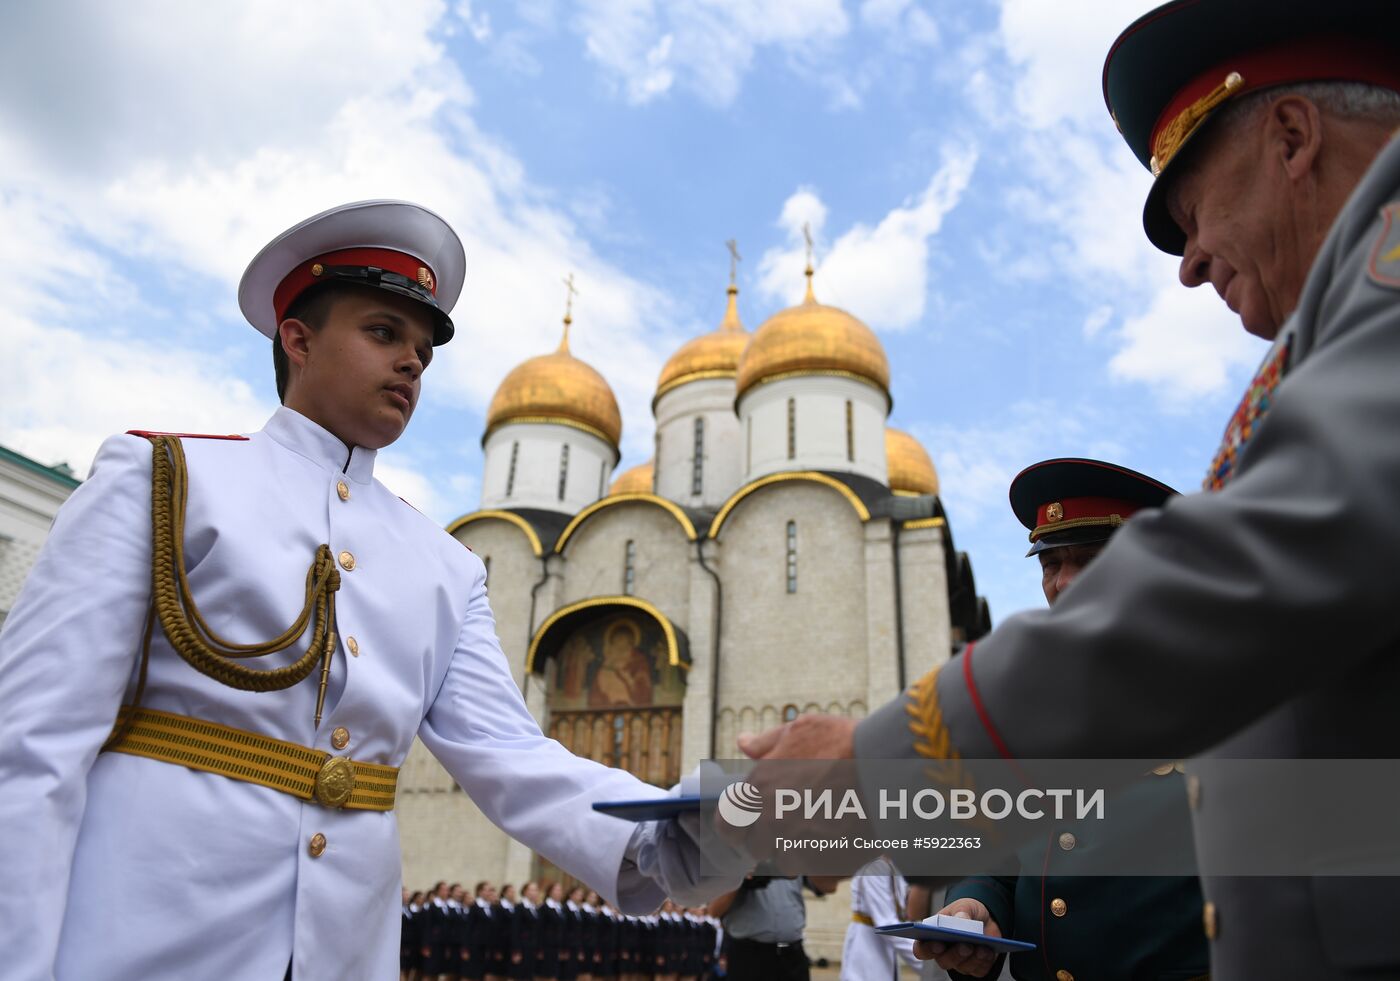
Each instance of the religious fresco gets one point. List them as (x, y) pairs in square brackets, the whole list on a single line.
[(615, 662)]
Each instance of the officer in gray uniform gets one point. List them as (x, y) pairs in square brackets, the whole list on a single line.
[(1257, 619)]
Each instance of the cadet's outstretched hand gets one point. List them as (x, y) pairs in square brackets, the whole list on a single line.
[(971, 958), (807, 737)]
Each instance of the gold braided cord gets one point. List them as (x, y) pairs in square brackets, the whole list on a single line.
[(248, 756), (190, 634), (1095, 522)]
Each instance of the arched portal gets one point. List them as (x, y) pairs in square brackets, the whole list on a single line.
[(614, 669)]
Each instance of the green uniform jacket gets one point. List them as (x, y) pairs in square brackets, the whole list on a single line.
[(1092, 927)]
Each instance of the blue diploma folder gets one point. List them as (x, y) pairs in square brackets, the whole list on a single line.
[(657, 809), (922, 931)]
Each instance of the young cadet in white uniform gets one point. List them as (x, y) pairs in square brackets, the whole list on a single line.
[(878, 894), (226, 832)]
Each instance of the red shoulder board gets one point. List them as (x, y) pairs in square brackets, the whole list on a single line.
[(148, 433)]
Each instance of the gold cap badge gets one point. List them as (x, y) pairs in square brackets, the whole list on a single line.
[(1054, 512), (425, 278)]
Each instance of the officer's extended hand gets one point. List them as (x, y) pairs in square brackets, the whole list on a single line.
[(973, 959), (807, 737)]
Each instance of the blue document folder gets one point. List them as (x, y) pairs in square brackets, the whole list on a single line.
[(922, 931)]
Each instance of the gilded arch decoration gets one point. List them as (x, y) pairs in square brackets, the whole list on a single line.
[(810, 476), (613, 500), (536, 546)]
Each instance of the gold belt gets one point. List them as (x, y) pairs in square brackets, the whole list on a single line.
[(861, 918), (309, 774)]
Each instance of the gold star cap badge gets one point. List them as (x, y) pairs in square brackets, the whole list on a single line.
[(425, 278), (1054, 512)]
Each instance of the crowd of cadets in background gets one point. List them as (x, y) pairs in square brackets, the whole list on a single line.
[(548, 936)]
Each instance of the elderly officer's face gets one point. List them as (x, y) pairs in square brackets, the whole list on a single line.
[(359, 375), (1237, 200), (1059, 567)]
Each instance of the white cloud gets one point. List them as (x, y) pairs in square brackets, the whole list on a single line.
[(66, 391), (1083, 190), (1184, 346), (221, 133), (704, 46), (881, 270)]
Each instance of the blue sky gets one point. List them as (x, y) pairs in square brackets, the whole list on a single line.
[(969, 197)]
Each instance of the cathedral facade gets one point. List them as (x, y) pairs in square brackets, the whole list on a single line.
[(783, 552)]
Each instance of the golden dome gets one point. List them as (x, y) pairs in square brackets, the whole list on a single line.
[(712, 355), (911, 470), (638, 480), (812, 338), (557, 388)]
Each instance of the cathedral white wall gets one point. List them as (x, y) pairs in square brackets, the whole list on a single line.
[(807, 649), (538, 449), (924, 581), (722, 460), (820, 415), (594, 559), (512, 571)]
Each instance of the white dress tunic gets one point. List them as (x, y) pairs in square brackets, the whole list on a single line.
[(878, 893), (119, 867)]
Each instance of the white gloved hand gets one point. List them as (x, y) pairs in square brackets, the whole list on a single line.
[(669, 853)]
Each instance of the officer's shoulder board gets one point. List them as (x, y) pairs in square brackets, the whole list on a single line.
[(148, 433)]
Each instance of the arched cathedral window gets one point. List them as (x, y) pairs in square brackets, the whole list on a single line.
[(850, 433), (629, 568), (697, 467), (792, 428), (563, 469), (510, 474)]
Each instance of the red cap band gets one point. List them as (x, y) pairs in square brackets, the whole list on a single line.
[(1338, 58), (1080, 510), (308, 274)]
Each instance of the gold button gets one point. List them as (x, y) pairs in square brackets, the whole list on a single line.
[(1058, 907), (1193, 791), (317, 845), (340, 737), (347, 561), (1067, 841), (1209, 921), (1063, 975), (343, 490), (354, 646)]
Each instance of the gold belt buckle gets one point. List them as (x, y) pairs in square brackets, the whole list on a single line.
[(335, 782)]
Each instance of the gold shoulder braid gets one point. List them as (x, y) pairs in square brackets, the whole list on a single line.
[(185, 626)]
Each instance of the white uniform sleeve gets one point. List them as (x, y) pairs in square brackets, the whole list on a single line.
[(66, 656), (537, 791)]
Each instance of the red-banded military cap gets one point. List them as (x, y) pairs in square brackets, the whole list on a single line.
[(1078, 502), (1174, 68), (390, 245)]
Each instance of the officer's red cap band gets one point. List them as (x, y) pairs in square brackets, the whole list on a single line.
[(302, 278), (1081, 510), (1298, 60)]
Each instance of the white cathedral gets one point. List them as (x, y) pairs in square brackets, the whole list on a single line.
[(784, 551)]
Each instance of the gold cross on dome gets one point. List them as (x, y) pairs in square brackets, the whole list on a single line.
[(569, 303), (734, 259)]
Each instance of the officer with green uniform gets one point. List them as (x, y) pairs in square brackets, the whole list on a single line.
[(1086, 926)]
